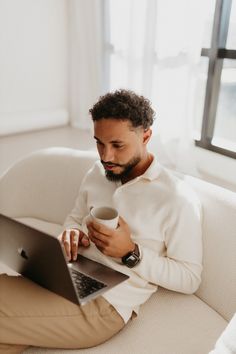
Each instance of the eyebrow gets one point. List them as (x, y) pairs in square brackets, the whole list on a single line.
[(113, 141)]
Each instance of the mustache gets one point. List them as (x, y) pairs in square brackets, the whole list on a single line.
[(110, 163)]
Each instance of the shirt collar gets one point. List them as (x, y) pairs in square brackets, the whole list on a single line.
[(153, 171)]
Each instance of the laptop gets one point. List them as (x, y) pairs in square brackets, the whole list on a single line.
[(40, 257)]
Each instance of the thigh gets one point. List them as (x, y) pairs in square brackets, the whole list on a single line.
[(32, 315), (12, 349)]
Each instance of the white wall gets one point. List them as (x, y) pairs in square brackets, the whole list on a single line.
[(33, 64), (86, 58)]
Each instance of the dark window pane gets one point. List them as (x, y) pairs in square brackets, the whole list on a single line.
[(199, 95)]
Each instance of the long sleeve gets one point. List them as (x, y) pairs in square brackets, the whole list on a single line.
[(75, 218), (179, 269)]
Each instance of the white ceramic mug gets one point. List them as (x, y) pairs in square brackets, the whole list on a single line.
[(106, 216)]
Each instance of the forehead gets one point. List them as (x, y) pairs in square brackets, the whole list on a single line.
[(113, 130)]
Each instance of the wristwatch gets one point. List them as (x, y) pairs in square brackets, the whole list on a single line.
[(131, 259)]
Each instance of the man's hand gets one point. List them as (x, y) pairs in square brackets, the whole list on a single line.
[(71, 239), (114, 243)]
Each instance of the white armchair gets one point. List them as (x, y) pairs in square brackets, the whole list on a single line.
[(41, 189)]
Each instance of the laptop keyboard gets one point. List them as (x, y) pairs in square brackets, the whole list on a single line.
[(85, 285)]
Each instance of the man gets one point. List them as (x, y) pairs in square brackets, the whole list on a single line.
[(159, 225)]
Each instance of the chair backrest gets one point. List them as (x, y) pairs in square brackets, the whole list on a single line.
[(44, 184), (218, 287)]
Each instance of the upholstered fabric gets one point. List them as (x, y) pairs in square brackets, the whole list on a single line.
[(41, 189), (44, 184), (226, 343), (169, 323), (41, 225), (218, 287)]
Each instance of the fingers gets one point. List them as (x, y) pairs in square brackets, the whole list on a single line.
[(96, 236), (101, 240), (74, 240), (70, 240), (83, 239), (102, 229), (65, 241)]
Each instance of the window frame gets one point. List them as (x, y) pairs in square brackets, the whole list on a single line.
[(216, 54)]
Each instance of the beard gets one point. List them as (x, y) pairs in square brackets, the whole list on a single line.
[(127, 168)]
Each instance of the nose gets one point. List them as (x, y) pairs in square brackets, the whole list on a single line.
[(107, 154)]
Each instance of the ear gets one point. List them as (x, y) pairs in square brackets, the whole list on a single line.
[(146, 136)]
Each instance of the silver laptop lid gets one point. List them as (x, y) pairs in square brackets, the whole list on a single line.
[(31, 253), (39, 257)]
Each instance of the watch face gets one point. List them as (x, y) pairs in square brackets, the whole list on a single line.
[(132, 260)]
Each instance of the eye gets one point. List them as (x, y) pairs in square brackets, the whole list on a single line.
[(118, 146), (99, 143)]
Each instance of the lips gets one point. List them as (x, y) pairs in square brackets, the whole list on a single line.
[(109, 167)]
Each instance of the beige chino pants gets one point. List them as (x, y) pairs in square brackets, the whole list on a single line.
[(33, 316)]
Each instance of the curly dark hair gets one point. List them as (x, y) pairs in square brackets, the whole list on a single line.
[(124, 105)]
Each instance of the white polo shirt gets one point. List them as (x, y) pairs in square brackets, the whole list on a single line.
[(164, 216)]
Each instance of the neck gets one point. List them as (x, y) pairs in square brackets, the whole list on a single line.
[(140, 168)]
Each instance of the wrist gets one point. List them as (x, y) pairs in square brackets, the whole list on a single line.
[(130, 249), (133, 257)]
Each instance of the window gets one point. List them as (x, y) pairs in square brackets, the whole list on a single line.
[(156, 50), (218, 130)]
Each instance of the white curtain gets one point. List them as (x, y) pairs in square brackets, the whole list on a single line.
[(156, 52), (86, 58), (152, 47)]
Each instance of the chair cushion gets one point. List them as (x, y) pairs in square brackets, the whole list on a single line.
[(169, 323), (42, 225)]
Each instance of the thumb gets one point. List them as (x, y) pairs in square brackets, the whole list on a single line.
[(84, 240)]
